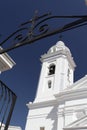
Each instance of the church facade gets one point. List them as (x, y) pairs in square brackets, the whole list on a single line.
[(60, 103)]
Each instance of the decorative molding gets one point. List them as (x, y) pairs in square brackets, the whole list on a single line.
[(35, 105), (71, 94)]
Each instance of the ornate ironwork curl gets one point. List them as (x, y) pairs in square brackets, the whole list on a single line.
[(37, 28), (17, 36)]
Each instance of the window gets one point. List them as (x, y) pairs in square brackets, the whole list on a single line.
[(51, 69), (49, 84), (68, 74), (42, 128)]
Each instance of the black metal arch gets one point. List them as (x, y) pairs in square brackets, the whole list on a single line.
[(37, 28)]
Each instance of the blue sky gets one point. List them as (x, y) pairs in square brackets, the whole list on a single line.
[(23, 78)]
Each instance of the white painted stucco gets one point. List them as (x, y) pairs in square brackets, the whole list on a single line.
[(10, 127), (64, 104), (6, 62)]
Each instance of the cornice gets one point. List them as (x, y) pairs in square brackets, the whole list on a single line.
[(33, 105), (71, 94), (53, 56), (76, 128), (6, 62)]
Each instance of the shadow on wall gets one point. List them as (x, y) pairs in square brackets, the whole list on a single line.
[(53, 117)]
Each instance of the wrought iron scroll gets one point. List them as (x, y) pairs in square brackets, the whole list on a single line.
[(39, 27), (7, 102)]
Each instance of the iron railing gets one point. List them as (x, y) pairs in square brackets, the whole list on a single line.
[(7, 102)]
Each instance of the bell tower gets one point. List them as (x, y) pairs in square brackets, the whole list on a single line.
[(56, 72)]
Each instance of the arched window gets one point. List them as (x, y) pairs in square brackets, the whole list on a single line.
[(49, 84), (51, 69)]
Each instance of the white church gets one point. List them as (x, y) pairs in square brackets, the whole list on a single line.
[(60, 103)]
